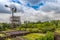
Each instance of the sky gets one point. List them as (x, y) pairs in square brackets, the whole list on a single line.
[(31, 10)]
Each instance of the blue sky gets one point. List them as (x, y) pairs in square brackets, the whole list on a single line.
[(31, 10), (15, 1), (34, 6)]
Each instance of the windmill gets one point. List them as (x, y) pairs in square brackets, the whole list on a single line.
[(12, 8), (14, 19)]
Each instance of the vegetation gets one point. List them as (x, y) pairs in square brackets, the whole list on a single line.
[(4, 26), (39, 30), (38, 36), (40, 26), (58, 30), (33, 36), (34, 26)]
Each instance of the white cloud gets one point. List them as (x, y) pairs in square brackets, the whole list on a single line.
[(50, 10)]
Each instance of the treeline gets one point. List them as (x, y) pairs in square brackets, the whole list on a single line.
[(40, 26), (34, 26), (4, 26)]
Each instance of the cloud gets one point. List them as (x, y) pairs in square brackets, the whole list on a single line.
[(49, 11), (51, 7), (34, 3), (4, 9), (15, 1)]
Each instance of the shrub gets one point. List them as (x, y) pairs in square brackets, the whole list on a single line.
[(49, 36), (22, 29), (41, 38)]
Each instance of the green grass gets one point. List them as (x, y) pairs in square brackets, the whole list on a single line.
[(8, 39), (33, 36), (2, 35), (57, 30)]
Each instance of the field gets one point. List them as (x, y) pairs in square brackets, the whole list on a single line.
[(33, 36), (38, 30)]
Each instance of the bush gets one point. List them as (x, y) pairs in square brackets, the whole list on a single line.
[(41, 38), (49, 36), (23, 29)]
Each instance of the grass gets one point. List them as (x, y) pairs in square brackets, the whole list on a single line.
[(33, 36), (8, 39), (57, 30), (2, 35)]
